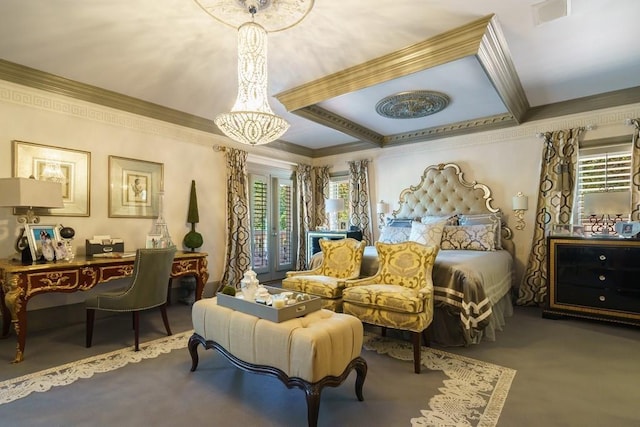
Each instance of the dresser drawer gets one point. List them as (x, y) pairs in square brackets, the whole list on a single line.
[(606, 298)]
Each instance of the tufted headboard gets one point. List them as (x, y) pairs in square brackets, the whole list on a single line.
[(442, 190)]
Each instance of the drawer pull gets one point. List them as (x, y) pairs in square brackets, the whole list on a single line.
[(602, 257), (602, 277), (602, 298)]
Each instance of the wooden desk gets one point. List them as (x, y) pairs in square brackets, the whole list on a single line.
[(19, 283)]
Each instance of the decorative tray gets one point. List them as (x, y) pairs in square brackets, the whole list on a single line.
[(263, 311)]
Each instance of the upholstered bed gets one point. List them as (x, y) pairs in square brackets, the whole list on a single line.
[(473, 272)]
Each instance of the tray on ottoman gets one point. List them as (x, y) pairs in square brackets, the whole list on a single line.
[(268, 312)]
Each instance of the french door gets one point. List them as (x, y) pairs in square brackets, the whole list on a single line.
[(273, 242)]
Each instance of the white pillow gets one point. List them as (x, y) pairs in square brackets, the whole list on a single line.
[(494, 219), (392, 234), (427, 234)]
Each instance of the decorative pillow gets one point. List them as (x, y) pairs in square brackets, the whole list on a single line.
[(400, 222), (427, 234), (479, 237), (391, 234), (492, 218), (449, 220)]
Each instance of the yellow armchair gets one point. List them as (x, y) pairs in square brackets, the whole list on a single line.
[(400, 295), (341, 261)]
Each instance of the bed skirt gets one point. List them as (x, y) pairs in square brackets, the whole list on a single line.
[(446, 329)]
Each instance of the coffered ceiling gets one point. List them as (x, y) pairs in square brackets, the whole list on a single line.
[(497, 62)]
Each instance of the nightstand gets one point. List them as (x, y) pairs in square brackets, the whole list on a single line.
[(593, 279)]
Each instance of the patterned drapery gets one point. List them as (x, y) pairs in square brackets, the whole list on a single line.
[(635, 171), (320, 193), (554, 205), (238, 250), (304, 188), (359, 200)]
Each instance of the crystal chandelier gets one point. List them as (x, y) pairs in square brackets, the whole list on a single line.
[(251, 120)]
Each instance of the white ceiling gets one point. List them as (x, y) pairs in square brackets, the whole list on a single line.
[(171, 53)]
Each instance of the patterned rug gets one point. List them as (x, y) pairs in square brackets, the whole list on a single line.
[(472, 395)]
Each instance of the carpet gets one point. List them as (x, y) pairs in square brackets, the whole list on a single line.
[(472, 394)]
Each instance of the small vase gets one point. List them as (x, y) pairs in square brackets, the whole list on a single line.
[(249, 285)]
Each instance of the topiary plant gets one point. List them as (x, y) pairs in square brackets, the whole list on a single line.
[(193, 239)]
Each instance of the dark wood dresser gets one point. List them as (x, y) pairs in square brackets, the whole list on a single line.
[(593, 279)]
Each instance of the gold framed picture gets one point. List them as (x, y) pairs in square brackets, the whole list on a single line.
[(72, 168), (134, 188)]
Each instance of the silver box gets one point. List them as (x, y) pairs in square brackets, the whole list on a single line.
[(267, 312)]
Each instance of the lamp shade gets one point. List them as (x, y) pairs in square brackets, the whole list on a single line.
[(520, 202), (607, 203), (334, 205), (30, 193)]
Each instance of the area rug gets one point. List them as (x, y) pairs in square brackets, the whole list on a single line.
[(17, 388), (473, 394)]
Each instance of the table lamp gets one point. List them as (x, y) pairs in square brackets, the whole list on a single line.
[(605, 208), (333, 206), (29, 193)]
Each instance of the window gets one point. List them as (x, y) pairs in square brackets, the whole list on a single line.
[(601, 168), (339, 189)]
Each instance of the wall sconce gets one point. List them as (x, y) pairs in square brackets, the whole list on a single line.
[(381, 209), (333, 206), (520, 203)]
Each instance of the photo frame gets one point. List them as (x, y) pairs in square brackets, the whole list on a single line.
[(561, 229), (134, 187), (577, 230), (70, 167), (37, 233)]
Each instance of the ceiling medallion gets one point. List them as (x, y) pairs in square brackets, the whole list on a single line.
[(412, 104), (272, 15)]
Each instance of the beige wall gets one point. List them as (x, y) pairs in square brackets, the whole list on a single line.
[(506, 160)]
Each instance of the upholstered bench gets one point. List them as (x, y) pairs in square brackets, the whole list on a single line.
[(310, 352)]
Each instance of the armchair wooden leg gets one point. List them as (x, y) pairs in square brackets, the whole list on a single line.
[(91, 315), (417, 361), (165, 319), (136, 328)]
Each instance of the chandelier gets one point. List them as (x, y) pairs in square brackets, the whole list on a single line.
[(251, 119)]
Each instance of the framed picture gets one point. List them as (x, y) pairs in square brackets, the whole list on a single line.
[(72, 168), (577, 230), (561, 229), (134, 186), (627, 229), (37, 234)]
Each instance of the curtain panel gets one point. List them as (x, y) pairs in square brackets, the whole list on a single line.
[(304, 187), (359, 199), (554, 206), (320, 194), (238, 248), (635, 170)]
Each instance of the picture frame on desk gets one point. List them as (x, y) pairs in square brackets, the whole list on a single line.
[(39, 233), (72, 168)]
